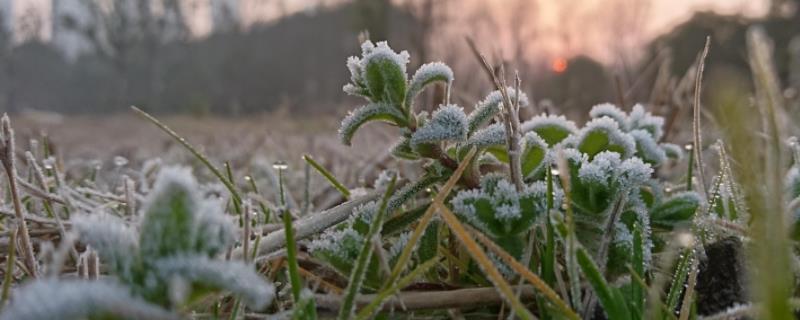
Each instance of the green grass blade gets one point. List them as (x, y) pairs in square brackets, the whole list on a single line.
[(368, 310), (291, 256), (328, 176), (612, 301), (199, 155), (360, 269)]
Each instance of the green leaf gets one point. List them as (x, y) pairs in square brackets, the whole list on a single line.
[(429, 243), (448, 123), (427, 74), (371, 112), (677, 210), (385, 77), (490, 106), (610, 298), (168, 223), (603, 134), (534, 149), (402, 149), (552, 129)]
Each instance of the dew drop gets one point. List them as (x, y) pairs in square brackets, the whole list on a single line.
[(120, 161), (280, 165)]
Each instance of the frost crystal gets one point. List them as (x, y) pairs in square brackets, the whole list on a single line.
[(601, 169), (611, 129), (611, 111), (112, 239), (74, 299), (233, 276), (492, 135), (426, 74), (672, 150), (448, 123), (382, 51), (356, 118), (337, 243), (647, 148), (491, 105), (641, 119), (553, 129), (633, 172)]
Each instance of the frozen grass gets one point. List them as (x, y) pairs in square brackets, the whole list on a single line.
[(594, 217)]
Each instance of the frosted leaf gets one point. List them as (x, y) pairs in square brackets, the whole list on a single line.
[(361, 115), (233, 276), (672, 150), (486, 109), (215, 232), (534, 151), (633, 172), (604, 134), (340, 243), (427, 74), (114, 241), (402, 149), (361, 218), (492, 135), (75, 299), (498, 209), (408, 192), (678, 209), (647, 149), (641, 119), (169, 213), (398, 245), (385, 74), (448, 123), (553, 129), (601, 170), (611, 111)]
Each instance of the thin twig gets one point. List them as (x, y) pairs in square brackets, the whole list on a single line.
[(698, 142), (7, 158)]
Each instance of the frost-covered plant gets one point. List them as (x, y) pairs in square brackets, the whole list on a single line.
[(167, 262), (619, 206), (497, 209)]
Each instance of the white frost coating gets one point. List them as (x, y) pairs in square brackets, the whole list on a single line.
[(398, 245), (75, 299), (531, 139), (672, 150), (623, 237), (612, 130), (647, 148), (611, 111), (356, 118), (382, 51), (427, 73), (544, 121), (364, 213), (110, 236), (384, 178), (215, 232), (172, 180), (633, 172), (234, 276), (448, 123), (641, 119), (572, 155), (601, 169), (492, 135), (491, 105), (333, 242)]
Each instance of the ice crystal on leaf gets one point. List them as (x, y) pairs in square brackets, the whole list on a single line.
[(553, 129), (75, 299), (448, 123)]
